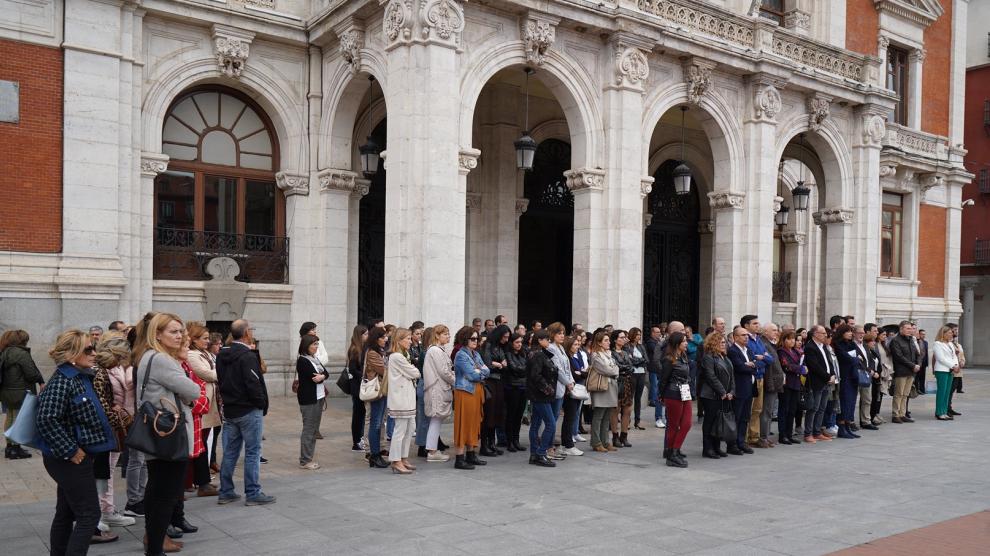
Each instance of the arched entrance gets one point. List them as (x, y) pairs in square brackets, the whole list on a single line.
[(371, 242), (671, 260), (546, 237)]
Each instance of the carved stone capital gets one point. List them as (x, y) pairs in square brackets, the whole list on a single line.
[(521, 205), (361, 187), (473, 202), (726, 200), (874, 129), (698, 77), (818, 106), (631, 66), (333, 179), (153, 164), (538, 32), (767, 102), (928, 181), (888, 169), (798, 20), (918, 55), (231, 46), (292, 184), (585, 179), (882, 42), (827, 216), (351, 36), (467, 160), (706, 226), (799, 238), (423, 21), (646, 186)]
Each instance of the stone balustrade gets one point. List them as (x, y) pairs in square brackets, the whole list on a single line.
[(915, 142)]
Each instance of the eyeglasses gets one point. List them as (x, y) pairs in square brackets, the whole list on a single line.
[(89, 350), (473, 339)]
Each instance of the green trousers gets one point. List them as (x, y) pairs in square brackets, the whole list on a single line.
[(944, 382)]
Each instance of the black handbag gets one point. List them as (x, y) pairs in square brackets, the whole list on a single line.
[(344, 381), (725, 424), (158, 432)]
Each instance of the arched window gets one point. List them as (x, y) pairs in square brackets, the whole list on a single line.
[(218, 197)]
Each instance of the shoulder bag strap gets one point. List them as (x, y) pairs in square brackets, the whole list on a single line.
[(144, 383)]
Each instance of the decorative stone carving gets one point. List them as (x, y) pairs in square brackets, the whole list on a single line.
[(225, 296), (798, 21), (698, 76), (351, 43), (646, 186), (874, 129), (231, 47), (397, 21), (361, 187), (442, 18), (631, 65), (473, 202), (467, 160), (538, 32), (333, 179), (888, 169), (766, 101), (706, 226), (521, 205), (818, 110), (883, 42), (723, 26), (918, 55), (647, 219), (153, 164), (585, 179), (292, 184), (805, 52), (778, 202), (928, 181), (722, 200), (799, 238), (223, 268), (828, 216), (916, 142), (924, 12)]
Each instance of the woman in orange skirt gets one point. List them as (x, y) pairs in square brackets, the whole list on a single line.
[(469, 395)]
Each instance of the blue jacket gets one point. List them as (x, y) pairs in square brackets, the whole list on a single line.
[(70, 415), (468, 370), (756, 347)]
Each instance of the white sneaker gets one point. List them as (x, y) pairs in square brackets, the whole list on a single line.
[(437, 457), (833, 431), (363, 444), (573, 451), (661, 424), (579, 438), (103, 527), (116, 519)]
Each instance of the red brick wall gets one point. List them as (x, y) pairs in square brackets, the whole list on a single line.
[(975, 219), (936, 74), (931, 251), (31, 151), (862, 24)]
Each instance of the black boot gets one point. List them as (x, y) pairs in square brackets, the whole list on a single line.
[(666, 453), (461, 463), (494, 447), (441, 446), (9, 453), (615, 441), (472, 458), (510, 444), (421, 453), (624, 440), (680, 456), (519, 447), (377, 462), (486, 448), (20, 452)]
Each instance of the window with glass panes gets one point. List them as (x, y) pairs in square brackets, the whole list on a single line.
[(890, 234), (773, 10), (897, 81)]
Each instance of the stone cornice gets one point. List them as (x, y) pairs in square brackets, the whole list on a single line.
[(924, 12), (334, 179), (292, 184), (727, 200), (585, 179), (828, 216), (153, 164), (467, 160)]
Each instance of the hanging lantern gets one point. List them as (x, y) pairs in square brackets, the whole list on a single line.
[(370, 150), (782, 217), (525, 146), (682, 174), (801, 195)]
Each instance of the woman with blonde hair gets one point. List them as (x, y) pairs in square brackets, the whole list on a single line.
[(158, 355), (204, 366), (402, 377), (438, 388), (73, 429), (945, 362), (605, 401)]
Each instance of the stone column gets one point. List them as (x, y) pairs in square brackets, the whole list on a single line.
[(954, 181), (623, 97), (338, 222), (305, 242), (139, 299), (478, 264), (425, 228), (917, 60), (966, 327), (732, 273), (706, 273), (838, 288), (590, 245), (801, 293), (866, 203)]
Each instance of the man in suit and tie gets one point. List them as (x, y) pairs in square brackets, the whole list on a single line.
[(821, 377), (871, 364), (744, 370), (906, 359), (919, 379)]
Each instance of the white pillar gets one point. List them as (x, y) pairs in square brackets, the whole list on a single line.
[(152, 164), (866, 201), (732, 273), (836, 225), (917, 61), (590, 246), (328, 267), (966, 327), (425, 207)]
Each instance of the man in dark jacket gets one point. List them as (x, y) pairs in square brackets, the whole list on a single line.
[(743, 368), (821, 378), (541, 386), (245, 403), (906, 358)]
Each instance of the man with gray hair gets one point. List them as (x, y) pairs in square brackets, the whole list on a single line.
[(94, 334), (773, 384)]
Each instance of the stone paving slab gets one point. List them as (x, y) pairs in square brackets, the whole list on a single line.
[(801, 500)]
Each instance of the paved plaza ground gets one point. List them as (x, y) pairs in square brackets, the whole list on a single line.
[(801, 500)]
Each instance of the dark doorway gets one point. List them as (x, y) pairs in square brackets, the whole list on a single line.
[(371, 243), (671, 260), (546, 238)]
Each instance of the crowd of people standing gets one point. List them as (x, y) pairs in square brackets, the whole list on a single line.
[(818, 384)]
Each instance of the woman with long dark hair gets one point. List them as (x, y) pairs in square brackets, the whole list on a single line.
[(640, 361), (355, 365), (623, 412), (312, 397), (675, 391), (494, 354), (792, 362), (514, 383), (374, 367)]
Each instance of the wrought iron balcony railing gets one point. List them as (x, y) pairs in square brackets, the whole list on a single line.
[(782, 287), (183, 254)]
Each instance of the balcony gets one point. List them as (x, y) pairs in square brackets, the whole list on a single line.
[(782, 287), (981, 252), (914, 142), (183, 254)]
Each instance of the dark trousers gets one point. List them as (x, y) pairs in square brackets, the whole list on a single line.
[(515, 405), (357, 419), (639, 384), (712, 411), (848, 392), (213, 447), (572, 409), (957, 384), (742, 407), (876, 399), (161, 496), (76, 502), (201, 468), (493, 414), (919, 380), (786, 412)]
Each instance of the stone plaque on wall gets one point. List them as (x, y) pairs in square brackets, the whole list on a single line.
[(270, 4), (10, 101)]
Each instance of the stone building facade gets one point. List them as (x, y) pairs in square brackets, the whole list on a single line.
[(211, 163)]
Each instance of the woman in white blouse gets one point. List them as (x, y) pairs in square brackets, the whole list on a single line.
[(944, 363), (438, 388)]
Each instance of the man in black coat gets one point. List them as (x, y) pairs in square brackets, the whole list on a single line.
[(245, 403), (906, 360), (821, 378), (743, 369)]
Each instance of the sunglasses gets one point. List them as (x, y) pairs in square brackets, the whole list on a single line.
[(473, 339), (89, 350)]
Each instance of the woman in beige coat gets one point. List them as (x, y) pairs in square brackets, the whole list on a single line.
[(402, 376), (203, 364), (604, 402), (438, 388)]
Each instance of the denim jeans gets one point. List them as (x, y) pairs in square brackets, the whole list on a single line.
[(829, 418), (375, 426), (815, 413), (543, 415), (246, 430), (137, 476)]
